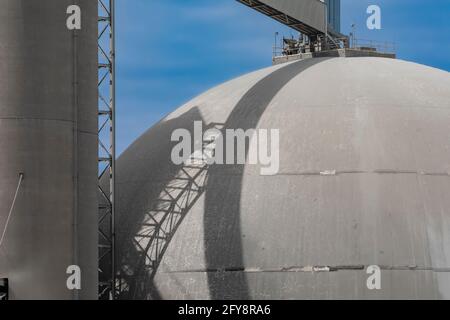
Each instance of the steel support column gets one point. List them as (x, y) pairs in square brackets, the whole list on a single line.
[(106, 147)]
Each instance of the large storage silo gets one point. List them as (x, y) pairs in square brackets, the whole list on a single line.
[(48, 131), (363, 180), (334, 14)]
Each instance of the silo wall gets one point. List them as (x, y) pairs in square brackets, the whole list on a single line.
[(334, 14), (48, 131)]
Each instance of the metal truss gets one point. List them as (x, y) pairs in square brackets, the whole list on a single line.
[(281, 17), (320, 40), (106, 149)]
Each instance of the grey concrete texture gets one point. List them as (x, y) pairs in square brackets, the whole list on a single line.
[(48, 131), (382, 126)]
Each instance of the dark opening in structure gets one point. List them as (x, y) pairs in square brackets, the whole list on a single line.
[(4, 289)]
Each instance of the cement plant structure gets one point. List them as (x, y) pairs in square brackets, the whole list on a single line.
[(364, 171), (57, 103)]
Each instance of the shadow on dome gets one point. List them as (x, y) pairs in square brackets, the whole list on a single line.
[(222, 240)]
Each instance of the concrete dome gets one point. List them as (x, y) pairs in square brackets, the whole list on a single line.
[(379, 127)]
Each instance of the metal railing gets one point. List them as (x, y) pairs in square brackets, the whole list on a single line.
[(278, 51), (380, 46)]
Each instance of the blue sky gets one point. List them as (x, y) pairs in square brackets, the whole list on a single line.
[(169, 51)]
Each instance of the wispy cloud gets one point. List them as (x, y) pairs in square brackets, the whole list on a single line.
[(171, 50)]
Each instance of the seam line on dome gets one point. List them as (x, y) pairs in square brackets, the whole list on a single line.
[(311, 269), (313, 174), (380, 171)]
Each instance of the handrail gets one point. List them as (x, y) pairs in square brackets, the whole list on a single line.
[(383, 46), (380, 46)]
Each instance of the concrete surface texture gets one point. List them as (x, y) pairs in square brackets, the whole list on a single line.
[(380, 127), (48, 131)]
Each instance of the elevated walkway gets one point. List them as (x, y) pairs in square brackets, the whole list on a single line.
[(305, 16), (309, 17)]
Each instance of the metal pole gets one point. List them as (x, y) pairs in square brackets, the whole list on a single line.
[(326, 28), (275, 45), (353, 35), (113, 147)]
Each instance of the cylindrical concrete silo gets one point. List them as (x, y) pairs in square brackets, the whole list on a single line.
[(334, 14), (48, 131)]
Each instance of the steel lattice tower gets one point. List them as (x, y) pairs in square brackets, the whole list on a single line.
[(106, 147)]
